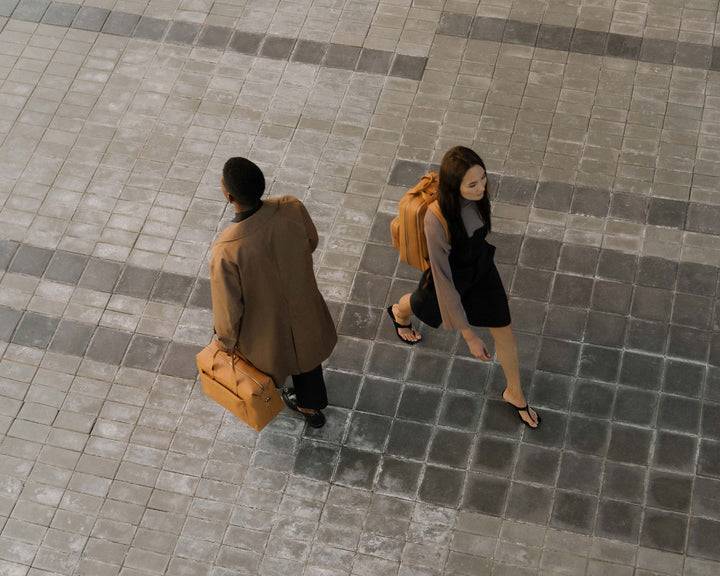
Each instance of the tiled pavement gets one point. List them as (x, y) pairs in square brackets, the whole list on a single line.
[(600, 124)]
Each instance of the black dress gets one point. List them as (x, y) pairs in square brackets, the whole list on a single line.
[(476, 280)]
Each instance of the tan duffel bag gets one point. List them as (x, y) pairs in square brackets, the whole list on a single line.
[(238, 386)]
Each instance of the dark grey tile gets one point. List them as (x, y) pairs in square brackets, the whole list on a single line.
[(108, 346), (356, 468), (349, 354), (693, 55), (306, 51), (599, 363), (665, 212), (532, 284), (7, 251), (469, 375), (450, 448), (683, 378), (342, 388), (388, 361), (697, 278), (72, 337), (688, 343), (89, 18), (419, 403), (516, 190), (66, 267), (573, 512), (7, 7), (703, 538), (623, 46), (360, 321), (624, 482), (646, 335), (136, 282), (705, 498), (379, 259), (507, 249), (277, 47), (460, 411), (368, 431), (182, 32), (657, 272), (399, 477), (712, 387), (710, 421), (341, 56), (572, 291), (409, 67), (201, 296), (379, 396), (145, 352), (486, 28), (554, 37), (409, 439), (30, 260), (664, 530), (630, 445), (494, 455), (551, 390), (315, 460), (635, 406), (611, 296), (552, 431), (715, 61), (151, 28), (30, 10), (35, 330), (374, 61), (558, 356), (580, 473), (485, 494), (527, 503), (120, 23), (692, 310), (577, 259), (704, 218), (370, 290), (216, 37), (641, 370), (669, 491), (536, 464), (629, 207), (553, 196), (675, 452), (173, 288), (540, 253), (527, 315), (590, 202), (587, 435), (524, 33), (455, 24), (588, 41), (100, 275), (406, 173), (657, 51), (9, 319), (246, 42), (679, 413), (618, 266), (180, 360), (429, 369), (652, 303), (500, 419), (709, 459), (593, 398), (618, 521)]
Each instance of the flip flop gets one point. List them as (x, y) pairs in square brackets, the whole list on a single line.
[(398, 326), (526, 408)]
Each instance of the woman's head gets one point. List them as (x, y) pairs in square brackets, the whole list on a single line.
[(243, 181), (463, 175)]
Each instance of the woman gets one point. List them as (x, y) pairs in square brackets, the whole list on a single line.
[(462, 287), (266, 303)]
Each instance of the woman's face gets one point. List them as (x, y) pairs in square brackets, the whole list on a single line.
[(473, 183)]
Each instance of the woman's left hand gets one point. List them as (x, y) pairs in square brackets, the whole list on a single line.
[(477, 346)]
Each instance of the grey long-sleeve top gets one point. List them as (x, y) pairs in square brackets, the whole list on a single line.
[(451, 308)]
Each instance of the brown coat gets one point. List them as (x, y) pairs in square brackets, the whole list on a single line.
[(265, 297)]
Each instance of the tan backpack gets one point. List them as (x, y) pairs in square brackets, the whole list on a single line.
[(408, 228)]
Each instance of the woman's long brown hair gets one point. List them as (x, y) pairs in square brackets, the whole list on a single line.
[(456, 162)]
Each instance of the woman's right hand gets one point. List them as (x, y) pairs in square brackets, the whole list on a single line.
[(477, 346)]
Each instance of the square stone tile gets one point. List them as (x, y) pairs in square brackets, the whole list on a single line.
[(666, 212), (647, 336), (623, 46), (487, 28), (514, 190), (149, 28), (703, 218), (349, 354), (669, 491), (532, 284), (630, 445), (172, 288), (201, 296), (9, 319), (657, 51), (624, 482), (679, 413), (405, 66), (688, 343), (590, 202), (494, 455), (356, 468), (7, 7), (485, 494), (612, 297), (136, 282), (652, 303), (553, 196), (450, 448), (705, 498), (359, 321), (558, 356), (683, 378), (587, 435), (452, 24), (370, 289), (108, 345), (374, 61), (693, 311), (593, 398), (145, 352), (379, 396), (641, 370), (441, 486), (183, 32), (573, 512), (703, 535), (180, 360), (580, 473), (66, 267), (537, 465), (617, 266), (35, 330), (460, 411), (517, 32), (368, 432), (664, 530), (72, 337), (246, 42), (307, 51), (30, 260), (409, 439), (588, 41), (674, 451), (693, 55), (419, 403), (697, 279), (315, 460), (100, 275), (90, 18), (529, 503), (618, 521), (277, 47), (428, 369), (120, 23), (342, 388), (341, 56), (630, 207), (573, 291), (30, 10), (600, 363), (399, 477), (709, 458), (710, 420), (635, 406), (215, 37), (540, 253), (388, 361)]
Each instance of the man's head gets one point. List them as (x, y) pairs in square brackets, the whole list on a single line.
[(243, 181)]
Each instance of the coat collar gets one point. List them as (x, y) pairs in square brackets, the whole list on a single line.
[(250, 225)]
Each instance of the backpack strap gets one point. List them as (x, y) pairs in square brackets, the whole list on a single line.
[(435, 207)]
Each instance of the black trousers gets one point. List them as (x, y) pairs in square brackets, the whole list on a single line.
[(310, 389)]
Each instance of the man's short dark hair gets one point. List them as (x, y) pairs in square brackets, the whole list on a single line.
[(243, 180)]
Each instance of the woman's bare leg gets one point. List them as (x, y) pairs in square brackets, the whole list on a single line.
[(506, 350), (403, 313)]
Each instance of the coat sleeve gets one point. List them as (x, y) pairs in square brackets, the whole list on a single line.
[(309, 227), (451, 308), (227, 299)]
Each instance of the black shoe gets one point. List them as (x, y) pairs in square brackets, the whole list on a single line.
[(316, 419)]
